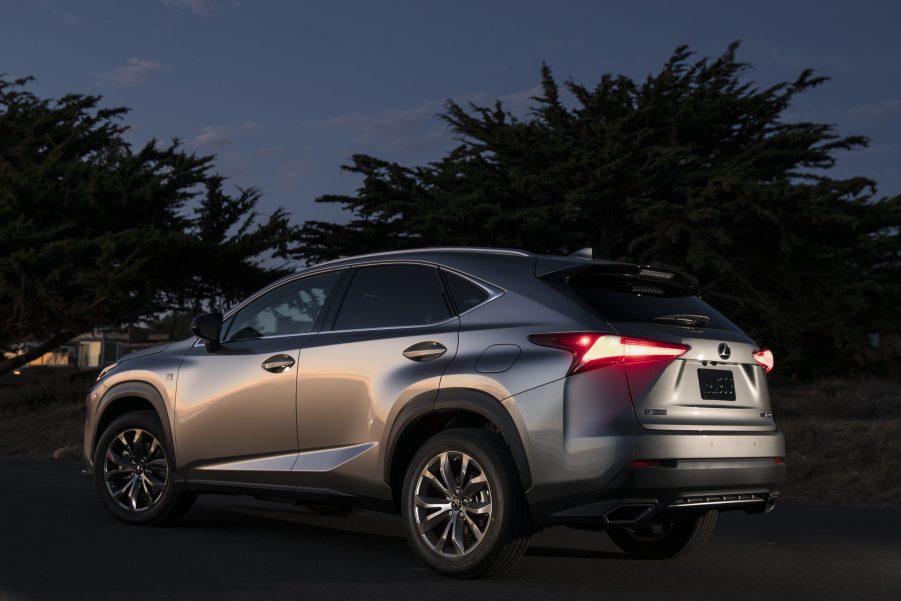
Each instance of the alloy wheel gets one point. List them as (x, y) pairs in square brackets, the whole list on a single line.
[(135, 470), (452, 504)]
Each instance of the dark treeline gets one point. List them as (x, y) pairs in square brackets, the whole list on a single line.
[(694, 167), (95, 233)]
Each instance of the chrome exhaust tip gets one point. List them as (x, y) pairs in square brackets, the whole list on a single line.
[(629, 513)]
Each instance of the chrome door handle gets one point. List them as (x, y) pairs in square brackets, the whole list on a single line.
[(278, 363), (425, 351)]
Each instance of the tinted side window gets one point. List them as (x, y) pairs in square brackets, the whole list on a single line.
[(393, 295), (289, 309), (466, 295)]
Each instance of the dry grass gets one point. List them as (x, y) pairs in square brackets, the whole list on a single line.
[(843, 436), (42, 412)]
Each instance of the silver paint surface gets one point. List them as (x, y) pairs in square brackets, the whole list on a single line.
[(325, 422)]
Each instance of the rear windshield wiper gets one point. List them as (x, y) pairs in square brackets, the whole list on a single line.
[(681, 319)]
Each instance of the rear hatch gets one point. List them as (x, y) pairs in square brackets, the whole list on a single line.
[(717, 384)]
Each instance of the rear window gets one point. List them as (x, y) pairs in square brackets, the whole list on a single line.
[(618, 297)]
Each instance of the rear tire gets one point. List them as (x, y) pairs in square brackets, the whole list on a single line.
[(463, 508), (133, 472), (667, 539)]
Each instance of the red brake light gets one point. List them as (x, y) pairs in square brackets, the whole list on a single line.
[(645, 463), (591, 350), (764, 356)]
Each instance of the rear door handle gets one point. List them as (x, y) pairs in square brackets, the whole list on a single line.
[(425, 351), (278, 363)]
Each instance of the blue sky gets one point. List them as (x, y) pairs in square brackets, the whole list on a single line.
[(285, 92)]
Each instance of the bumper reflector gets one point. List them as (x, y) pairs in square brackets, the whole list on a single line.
[(645, 463)]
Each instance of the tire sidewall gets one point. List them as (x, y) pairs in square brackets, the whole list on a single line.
[(148, 421), (499, 525), (683, 537)]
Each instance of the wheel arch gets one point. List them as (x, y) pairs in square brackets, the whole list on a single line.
[(126, 397), (422, 418)]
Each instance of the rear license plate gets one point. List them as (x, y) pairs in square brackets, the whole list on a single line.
[(716, 385)]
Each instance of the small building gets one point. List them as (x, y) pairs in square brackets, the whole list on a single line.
[(97, 348), (102, 347)]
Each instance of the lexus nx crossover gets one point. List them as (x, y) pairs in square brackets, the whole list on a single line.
[(481, 394)]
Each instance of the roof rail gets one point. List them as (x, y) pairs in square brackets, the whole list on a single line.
[(437, 249)]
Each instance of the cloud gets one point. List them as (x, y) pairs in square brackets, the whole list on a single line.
[(877, 110), (218, 137), (65, 16), (427, 143), (135, 72), (517, 103), (397, 124), (203, 8), (213, 136), (275, 151), (296, 168), (391, 123), (415, 129)]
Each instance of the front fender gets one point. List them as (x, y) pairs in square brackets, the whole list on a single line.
[(123, 390)]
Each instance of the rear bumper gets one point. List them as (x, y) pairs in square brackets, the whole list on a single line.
[(640, 494)]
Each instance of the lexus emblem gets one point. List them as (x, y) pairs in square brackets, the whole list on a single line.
[(724, 351)]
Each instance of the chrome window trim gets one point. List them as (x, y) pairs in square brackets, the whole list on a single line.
[(382, 328), (493, 291), (224, 342)]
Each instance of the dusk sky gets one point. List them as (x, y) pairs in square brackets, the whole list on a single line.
[(285, 92)]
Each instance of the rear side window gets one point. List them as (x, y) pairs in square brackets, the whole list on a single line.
[(465, 293), (393, 295), (617, 297)]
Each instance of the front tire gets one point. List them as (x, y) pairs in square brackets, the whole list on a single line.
[(463, 508), (665, 539), (133, 472)]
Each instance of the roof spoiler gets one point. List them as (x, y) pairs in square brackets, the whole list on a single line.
[(566, 266), (583, 253)]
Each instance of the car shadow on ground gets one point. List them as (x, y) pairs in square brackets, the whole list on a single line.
[(224, 513), (562, 552)]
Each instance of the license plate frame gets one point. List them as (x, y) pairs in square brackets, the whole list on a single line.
[(716, 384)]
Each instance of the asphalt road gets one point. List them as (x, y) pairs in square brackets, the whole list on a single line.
[(56, 542)]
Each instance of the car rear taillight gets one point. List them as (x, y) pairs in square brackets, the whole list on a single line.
[(764, 356), (591, 350)]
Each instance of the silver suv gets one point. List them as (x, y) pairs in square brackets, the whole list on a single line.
[(481, 394)]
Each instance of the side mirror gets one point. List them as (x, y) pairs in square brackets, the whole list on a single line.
[(208, 327)]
